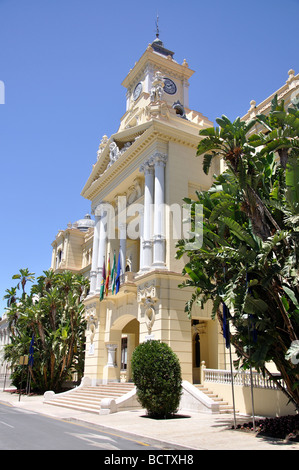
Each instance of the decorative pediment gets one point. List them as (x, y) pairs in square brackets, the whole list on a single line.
[(110, 150)]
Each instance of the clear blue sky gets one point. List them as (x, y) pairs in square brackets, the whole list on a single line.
[(62, 63)]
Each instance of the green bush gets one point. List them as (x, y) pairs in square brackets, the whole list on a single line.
[(157, 376)]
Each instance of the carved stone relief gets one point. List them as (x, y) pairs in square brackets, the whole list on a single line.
[(92, 324), (147, 291), (147, 295), (150, 314), (135, 191), (157, 91), (114, 153)]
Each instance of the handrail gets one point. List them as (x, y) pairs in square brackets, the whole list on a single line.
[(242, 378)]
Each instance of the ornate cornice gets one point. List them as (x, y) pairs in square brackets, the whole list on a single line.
[(154, 130), (157, 158), (150, 57)]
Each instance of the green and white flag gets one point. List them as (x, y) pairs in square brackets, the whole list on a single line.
[(103, 281)]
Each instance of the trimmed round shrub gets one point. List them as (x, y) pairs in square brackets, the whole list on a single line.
[(157, 375)]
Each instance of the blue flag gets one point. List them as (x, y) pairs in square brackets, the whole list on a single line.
[(31, 351), (118, 275), (226, 333)]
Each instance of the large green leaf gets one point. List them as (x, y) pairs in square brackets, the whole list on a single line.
[(255, 306), (237, 230), (292, 178), (292, 296)]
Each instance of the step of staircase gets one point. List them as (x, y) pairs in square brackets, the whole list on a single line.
[(89, 399), (224, 406)]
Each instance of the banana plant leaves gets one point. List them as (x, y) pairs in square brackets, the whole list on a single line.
[(249, 258)]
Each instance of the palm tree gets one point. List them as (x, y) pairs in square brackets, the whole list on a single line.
[(53, 312), (280, 131), (11, 296), (24, 276), (231, 143)]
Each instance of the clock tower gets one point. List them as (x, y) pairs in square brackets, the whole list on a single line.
[(156, 77)]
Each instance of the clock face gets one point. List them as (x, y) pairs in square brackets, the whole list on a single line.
[(137, 91), (169, 86)]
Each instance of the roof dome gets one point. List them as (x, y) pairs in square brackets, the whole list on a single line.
[(85, 224), (158, 47)]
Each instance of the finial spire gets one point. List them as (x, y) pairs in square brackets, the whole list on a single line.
[(158, 45), (157, 26)]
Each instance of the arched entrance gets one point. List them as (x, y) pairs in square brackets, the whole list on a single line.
[(124, 333)]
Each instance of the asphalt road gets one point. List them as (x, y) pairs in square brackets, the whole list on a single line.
[(25, 430)]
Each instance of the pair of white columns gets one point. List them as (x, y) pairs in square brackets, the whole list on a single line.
[(100, 240), (152, 254), (152, 225)]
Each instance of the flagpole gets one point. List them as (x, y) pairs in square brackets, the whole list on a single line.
[(250, 367), (27, 382), (251, 379), (30, 365), (252, 401), (232, 382), (226, 335)]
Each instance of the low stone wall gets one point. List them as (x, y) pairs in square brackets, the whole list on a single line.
[(267, 402)]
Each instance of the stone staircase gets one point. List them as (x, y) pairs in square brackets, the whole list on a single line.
[(224, 406), (88, 398), (91, 399)]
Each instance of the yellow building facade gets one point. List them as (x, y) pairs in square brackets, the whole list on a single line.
[(136, 190)]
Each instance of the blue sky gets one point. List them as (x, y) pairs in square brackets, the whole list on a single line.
[(62, 63)]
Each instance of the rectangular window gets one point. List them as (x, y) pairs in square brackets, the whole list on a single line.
[(124, 352)]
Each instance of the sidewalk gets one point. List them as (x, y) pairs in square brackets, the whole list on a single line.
[(196, 431)]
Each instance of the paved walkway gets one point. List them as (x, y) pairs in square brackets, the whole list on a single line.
[(196, 431)]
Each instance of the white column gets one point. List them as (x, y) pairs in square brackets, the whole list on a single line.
[(159, 211), (53, 262), (103, 238), (148, 215), (123, 246), (95, 253), (149, 77), (141, 228)]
